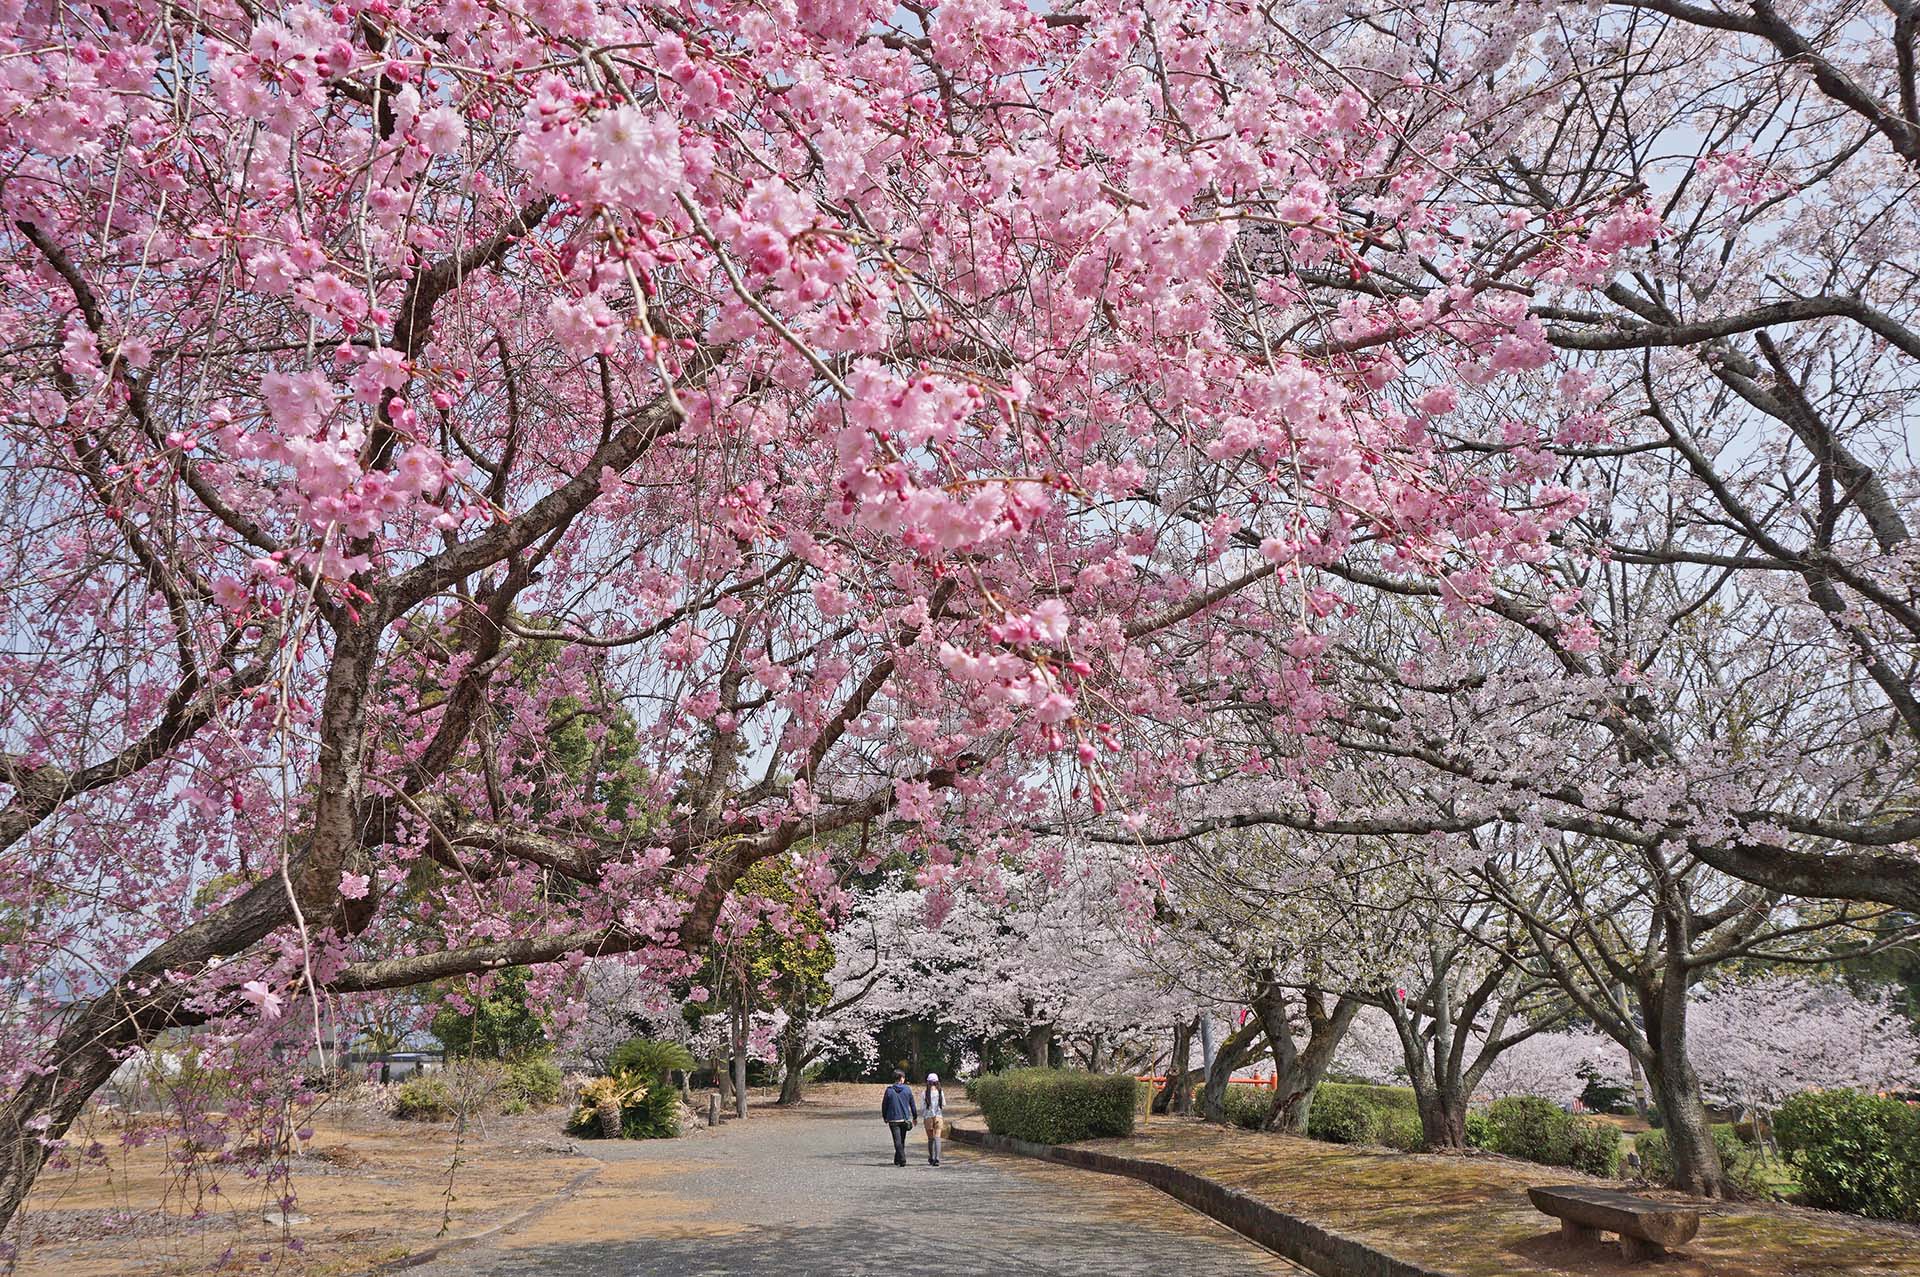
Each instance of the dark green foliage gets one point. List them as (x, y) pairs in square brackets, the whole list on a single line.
[(1854, 1152), (1539, 1130), (655, 1117), (1602, 1094), (1361, 1113), (499, 1027), (1247, 1106), (1056, 1106), (424, 1099), (1479, 1131), (650, 1059), (1340, 1115), (1400, 1130)]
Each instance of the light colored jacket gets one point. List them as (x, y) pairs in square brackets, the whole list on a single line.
[(933, 1103)]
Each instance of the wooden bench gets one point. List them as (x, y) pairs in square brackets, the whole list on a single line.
[(1646, 1228)]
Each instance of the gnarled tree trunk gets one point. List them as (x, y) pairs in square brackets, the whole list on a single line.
[(1236, 1049), (1299, 1067)]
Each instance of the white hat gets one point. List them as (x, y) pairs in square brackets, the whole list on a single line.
[(933, 1077)]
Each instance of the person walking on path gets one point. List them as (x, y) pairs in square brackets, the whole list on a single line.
[(934, 1105), (899, 1111)]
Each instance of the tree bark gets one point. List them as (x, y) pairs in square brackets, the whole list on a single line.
[(1234, 1050), (740, 1063), (1038, 1044), (793, 1061), (1676, 1088), (1299, 1069)]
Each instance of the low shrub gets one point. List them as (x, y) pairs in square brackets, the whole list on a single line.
[(530, 1084), (1854, 1152), (1538, 1130), (1382, 1099), (1400, 1130), (426, 1098), (1056, 1106), (1247, 1106), (1479, 1131), (1361, 1113), (1656, 1155), (1339, 1116)]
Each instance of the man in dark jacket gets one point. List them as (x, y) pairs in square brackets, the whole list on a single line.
[(899, 1110)]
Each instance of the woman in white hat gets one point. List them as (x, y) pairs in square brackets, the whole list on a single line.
[(933, 1107)]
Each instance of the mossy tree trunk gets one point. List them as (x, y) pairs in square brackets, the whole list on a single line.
[(1298, 1066), (1234, 1050)]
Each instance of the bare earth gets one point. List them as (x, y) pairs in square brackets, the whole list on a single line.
[(806, 1193), (1470, 1215), (369, 1189)]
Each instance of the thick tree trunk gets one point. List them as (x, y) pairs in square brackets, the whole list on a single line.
[(1298, 1068), (1234, 1050), (740, 1064), (793, 1062), (1696, 1162), (1443, 1116), (722, 1067), (1038, 1044)]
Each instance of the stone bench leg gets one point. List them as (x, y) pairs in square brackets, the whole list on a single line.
[(1638, 1250), (1572, 1232)]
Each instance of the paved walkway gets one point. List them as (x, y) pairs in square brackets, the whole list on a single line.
[(814, 1193)]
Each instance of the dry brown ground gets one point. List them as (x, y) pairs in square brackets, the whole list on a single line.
[(371, 1190), (1470, 1215)]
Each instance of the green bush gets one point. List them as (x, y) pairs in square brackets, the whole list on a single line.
[(655, 1117), (1538, 1130), (424, 1098), (1381, 1099), (531, 1084), (1247, 1106), (1340, 1116), (650, 1058), (1479, 1131), (1854, 1152), (1656, 1154), (1056, 1106), (1400, 1130), (1596, 1148)]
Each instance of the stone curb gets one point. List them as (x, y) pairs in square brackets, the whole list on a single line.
[(455, 1244), (1325, 1252)]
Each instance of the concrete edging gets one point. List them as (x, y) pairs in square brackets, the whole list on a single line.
[(1324, 1251)]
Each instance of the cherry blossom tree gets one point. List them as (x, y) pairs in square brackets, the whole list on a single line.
[(1758, 1041), (352, 352)]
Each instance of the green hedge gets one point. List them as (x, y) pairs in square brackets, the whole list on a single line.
[(1361, 1113), (1656, 1157), (1538, 1130), (1056, 1106), (1854, 1152)]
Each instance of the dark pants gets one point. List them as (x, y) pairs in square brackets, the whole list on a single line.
[(899, 1130)]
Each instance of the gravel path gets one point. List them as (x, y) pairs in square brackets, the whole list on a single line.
[(814, 1193)]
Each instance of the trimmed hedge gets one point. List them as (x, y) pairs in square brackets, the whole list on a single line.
[(1538, 1130), (1056, 1106), (1854, 1152)]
